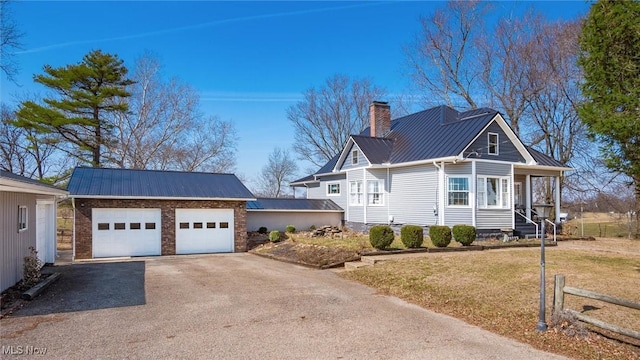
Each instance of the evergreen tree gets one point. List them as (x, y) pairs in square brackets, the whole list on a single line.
[(610, 59), (77, 118)]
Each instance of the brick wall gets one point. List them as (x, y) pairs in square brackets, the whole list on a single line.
[(168, 214)]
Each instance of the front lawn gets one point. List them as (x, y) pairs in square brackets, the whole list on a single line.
[(499, 291)]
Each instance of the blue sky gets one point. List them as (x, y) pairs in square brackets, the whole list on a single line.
[(250, 61)]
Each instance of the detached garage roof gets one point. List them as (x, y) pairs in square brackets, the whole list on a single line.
[(293, 205), (155, 184), (16, 183)]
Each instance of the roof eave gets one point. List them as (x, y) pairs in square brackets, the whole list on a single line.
[(295, 210), (107, 197), (543, 167), (19, 186)]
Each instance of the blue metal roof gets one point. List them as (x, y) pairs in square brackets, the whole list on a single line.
[(543, 159), (127, 183), (293, 204)]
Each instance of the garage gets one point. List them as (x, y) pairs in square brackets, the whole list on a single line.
[(204, 231), (126, 232)]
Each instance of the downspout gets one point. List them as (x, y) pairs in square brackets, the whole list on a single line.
[(366, 195), (389, 221), (73, 230), (437, 206)]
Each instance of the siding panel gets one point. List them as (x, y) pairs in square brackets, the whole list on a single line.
[(494, 219), (355, 213), (413, 194), (15, 245), (492, 169), (506, 150)]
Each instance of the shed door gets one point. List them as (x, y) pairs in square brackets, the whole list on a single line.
[(45, 231), (204, 231), (126, 232)]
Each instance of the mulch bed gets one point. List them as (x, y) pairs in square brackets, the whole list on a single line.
[(315, 256)]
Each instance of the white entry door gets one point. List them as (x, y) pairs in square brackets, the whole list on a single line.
[(126, 232), (204, 231), (46, 231)]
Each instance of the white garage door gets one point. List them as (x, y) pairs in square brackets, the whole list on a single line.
[(126, 232), (204, 231)]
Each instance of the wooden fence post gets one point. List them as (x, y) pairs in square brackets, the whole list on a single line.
[(558, 293)]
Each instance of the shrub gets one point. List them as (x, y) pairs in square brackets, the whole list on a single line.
[(262, 230), (464, 234), (312, 228), (31, 269), (440, 235), (274, 236), (381, 236), (290, 229), (412, 236)]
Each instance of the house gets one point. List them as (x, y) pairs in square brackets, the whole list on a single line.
[(276, 214), (122, 212), (435, 167), (27, 219)]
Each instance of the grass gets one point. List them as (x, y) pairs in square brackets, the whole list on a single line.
[(499, 290), (599, 225)]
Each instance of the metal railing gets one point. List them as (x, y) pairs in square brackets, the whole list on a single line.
[(533, 222)]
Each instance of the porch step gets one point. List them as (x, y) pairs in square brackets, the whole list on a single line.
[(353, 265), (371, 260)]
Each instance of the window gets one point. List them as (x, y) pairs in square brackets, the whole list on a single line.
[(119, 226), (150, 226), (355, 193), (211, 225), (458, 191), (493, 144), (23, 218), (134, 226), (103, 226), (375, 192), (354, 157), (493, 192), (197, 225), (224, 225), (333, 189), (184, 225)]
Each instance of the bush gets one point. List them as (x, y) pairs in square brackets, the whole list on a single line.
[(290, 229), (412, 236), (440, 235), (381, 236), (464, 234), (274, 236), (262, 230), (312, 228), (31, 269)]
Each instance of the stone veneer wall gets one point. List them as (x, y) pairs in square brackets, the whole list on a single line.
[(167, 208)]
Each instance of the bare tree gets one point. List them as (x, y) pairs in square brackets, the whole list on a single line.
[(279, 170), (165, 130), (10, 40), (327, 116), (443, 61)]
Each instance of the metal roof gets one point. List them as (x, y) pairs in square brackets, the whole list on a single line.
[(377, 150), (128, 183), (544, 159), (31, 182), (293, 204)]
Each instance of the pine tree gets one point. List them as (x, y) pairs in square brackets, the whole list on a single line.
[(610, 59), (77, 118)]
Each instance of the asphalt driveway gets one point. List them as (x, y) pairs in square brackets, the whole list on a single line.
[(235, 306)]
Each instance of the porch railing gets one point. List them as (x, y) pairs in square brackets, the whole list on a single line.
[(533, 222)]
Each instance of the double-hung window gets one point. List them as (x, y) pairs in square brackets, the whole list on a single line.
[(458, 191), (493, 147), (355, 193), (375, 192), (354, 157), (23, 218), (333, 189), (493, 192)]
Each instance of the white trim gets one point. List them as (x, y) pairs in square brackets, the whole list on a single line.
[(497, 153), (557, 198), (441, 192), (346, 152), (527, 191), (333, 183), (294, 210), (381, 192), (447, 177), (512, 196), (349, 203), (365, 195), (157, 198), (25, 220), (472, 193), (33, 190), (510, 134), (499, 191)]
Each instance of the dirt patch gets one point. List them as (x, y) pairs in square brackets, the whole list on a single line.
[(306, 254)]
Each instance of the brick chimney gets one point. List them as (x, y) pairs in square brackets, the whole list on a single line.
[(380, 118)]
